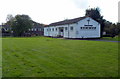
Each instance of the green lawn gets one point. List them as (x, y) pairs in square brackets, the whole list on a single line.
[(0, 57), (51, 57)]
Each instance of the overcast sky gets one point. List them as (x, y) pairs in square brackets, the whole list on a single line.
[(48, 11)]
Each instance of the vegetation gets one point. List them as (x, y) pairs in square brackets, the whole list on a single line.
[(20, 24), (94, 13), (51, 57), (0, 57), (112, 29)]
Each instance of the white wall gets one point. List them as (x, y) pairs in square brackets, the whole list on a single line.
[(70, 33), (45, 31), (88, 33), (48, 31), (66, 33)]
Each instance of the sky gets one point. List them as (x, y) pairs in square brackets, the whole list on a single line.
[(49, 11)]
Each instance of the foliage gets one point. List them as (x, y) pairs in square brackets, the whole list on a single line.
[(0, 57), (112, 29), (50, 57), (9, 19), (21, 24), (94, 13)]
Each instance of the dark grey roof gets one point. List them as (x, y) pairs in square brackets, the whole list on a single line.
[(37, 25), (70, 21)]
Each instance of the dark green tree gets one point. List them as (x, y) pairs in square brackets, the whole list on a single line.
[(94, 13), (112, 29), (107, 27), (21, 24)]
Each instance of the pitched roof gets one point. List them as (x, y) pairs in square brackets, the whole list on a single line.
[(36, 24), (70, 21)]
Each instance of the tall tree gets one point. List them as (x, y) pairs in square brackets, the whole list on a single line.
[(95, 14), (112, 29), (9, 19), (107, 27), (21, 24)]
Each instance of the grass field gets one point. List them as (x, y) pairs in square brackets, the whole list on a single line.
[(0, 57), (51, 57)]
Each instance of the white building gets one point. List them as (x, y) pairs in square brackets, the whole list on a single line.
[(83, 27)]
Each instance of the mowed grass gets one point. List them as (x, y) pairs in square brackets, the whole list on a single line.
[(0, 57), (51, 57)]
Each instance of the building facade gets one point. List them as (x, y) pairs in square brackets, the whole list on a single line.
[(36, 30), (83, 27)]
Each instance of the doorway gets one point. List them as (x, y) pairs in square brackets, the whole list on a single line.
[(61, 32)]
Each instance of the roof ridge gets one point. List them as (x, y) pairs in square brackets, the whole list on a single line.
[(68, 21)]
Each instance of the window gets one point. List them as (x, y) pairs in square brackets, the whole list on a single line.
[(71, 28), (39, 29), (6, 29), (86, 27), (52, 29), (56, 29), (90, 27), (35, 29), (80, 27), (83, 27), (65, 28)]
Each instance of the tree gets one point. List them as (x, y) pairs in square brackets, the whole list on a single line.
[(112, 29), (95, 14), (21, 24), (107, 27), (9, 19)]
